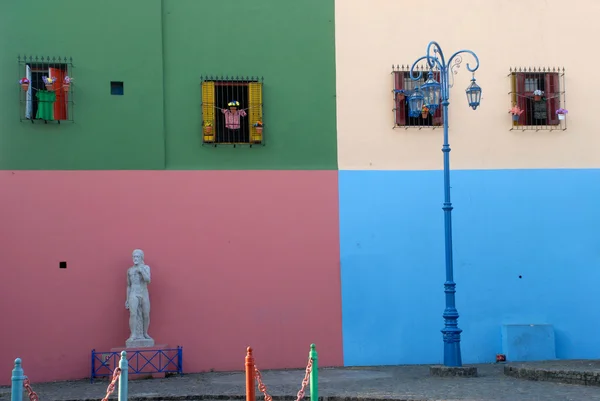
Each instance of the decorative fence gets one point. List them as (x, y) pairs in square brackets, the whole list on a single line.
[(21, 382), (140, 362), (311, 376)]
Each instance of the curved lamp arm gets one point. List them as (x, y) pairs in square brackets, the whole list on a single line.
[(458, 60), (431, 61), (435, 59)]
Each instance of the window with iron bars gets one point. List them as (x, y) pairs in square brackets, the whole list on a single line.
[(538, 93), (46, 92), (403, 86), (232, 111)]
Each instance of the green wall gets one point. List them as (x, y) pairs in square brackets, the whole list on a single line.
[(160, 49), (108, 40)]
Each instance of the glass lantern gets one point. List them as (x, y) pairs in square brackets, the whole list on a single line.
[(473, 94), (432, 91), (415, 103)]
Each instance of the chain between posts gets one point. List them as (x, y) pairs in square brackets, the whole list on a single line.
[(263, 388), (306, 380), (111, 386), (30, 393)]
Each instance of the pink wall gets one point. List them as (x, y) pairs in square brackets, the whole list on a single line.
[(238, 258)]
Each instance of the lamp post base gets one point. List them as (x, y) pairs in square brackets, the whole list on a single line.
[(453, 371)]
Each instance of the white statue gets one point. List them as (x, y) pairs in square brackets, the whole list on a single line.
[(138, 302)]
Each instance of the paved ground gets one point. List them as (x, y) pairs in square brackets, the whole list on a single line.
[(340, 384), (586, 372), (587, 365)]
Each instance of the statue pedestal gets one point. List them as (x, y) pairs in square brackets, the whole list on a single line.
[(144, 362), (141, 343)]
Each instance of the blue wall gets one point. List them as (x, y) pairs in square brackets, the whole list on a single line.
[(543, 225)]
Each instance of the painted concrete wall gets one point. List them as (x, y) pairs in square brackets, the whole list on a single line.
[(109, 132), (232, 253), (290, 44), (397, 34), (160, 49), (512, 218), (517, 214), (224, 276), (535, 224)]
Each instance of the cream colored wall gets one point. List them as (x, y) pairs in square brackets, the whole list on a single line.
[(371, 35)]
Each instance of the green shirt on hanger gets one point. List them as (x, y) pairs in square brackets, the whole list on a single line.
[(46, 101)]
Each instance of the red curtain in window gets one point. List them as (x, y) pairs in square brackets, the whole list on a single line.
[(521, 97), (552, 96), (60, 105), (399, 99), (438, 117)]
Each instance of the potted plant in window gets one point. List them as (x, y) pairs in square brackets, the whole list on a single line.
[(49, 82), (516, 112), (207, 127), (537, 95), (424, 111), (24, 82), (258, 126), (399, 94), (562, 113), (67, 83)]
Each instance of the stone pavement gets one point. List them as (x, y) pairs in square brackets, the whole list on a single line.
[(573, 372), (335, 384)]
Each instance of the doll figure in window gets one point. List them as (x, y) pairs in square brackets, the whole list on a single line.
[(233, 115)]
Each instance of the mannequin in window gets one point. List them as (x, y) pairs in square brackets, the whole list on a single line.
[(233, 115)]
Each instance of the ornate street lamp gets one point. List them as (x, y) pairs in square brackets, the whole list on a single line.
[(433, 92), (473, 94), (415, 102)]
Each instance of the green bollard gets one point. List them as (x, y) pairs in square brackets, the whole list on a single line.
[(124, 365), (314, 374), (16, 391)]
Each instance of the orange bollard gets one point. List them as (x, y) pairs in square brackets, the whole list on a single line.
[(250, 384)]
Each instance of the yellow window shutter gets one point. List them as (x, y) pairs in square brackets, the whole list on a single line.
[(513, 93), (208, 111), (255, 111)]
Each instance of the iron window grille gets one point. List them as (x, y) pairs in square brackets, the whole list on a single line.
[(232, 111), (539, 93), (402, 87), (45, 102)]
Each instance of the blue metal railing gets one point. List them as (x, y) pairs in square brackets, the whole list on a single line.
[(140, 362)]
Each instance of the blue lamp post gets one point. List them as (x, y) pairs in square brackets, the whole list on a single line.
[(430, 95)]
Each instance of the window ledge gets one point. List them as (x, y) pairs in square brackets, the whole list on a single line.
[(419, 127), (40, 121), (232, 144)]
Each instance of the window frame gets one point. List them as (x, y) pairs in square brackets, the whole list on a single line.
[(401, 80), (210, 110), (56, 67), (552, 82)]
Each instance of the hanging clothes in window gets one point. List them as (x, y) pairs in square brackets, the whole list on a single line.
[(46, 101)]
